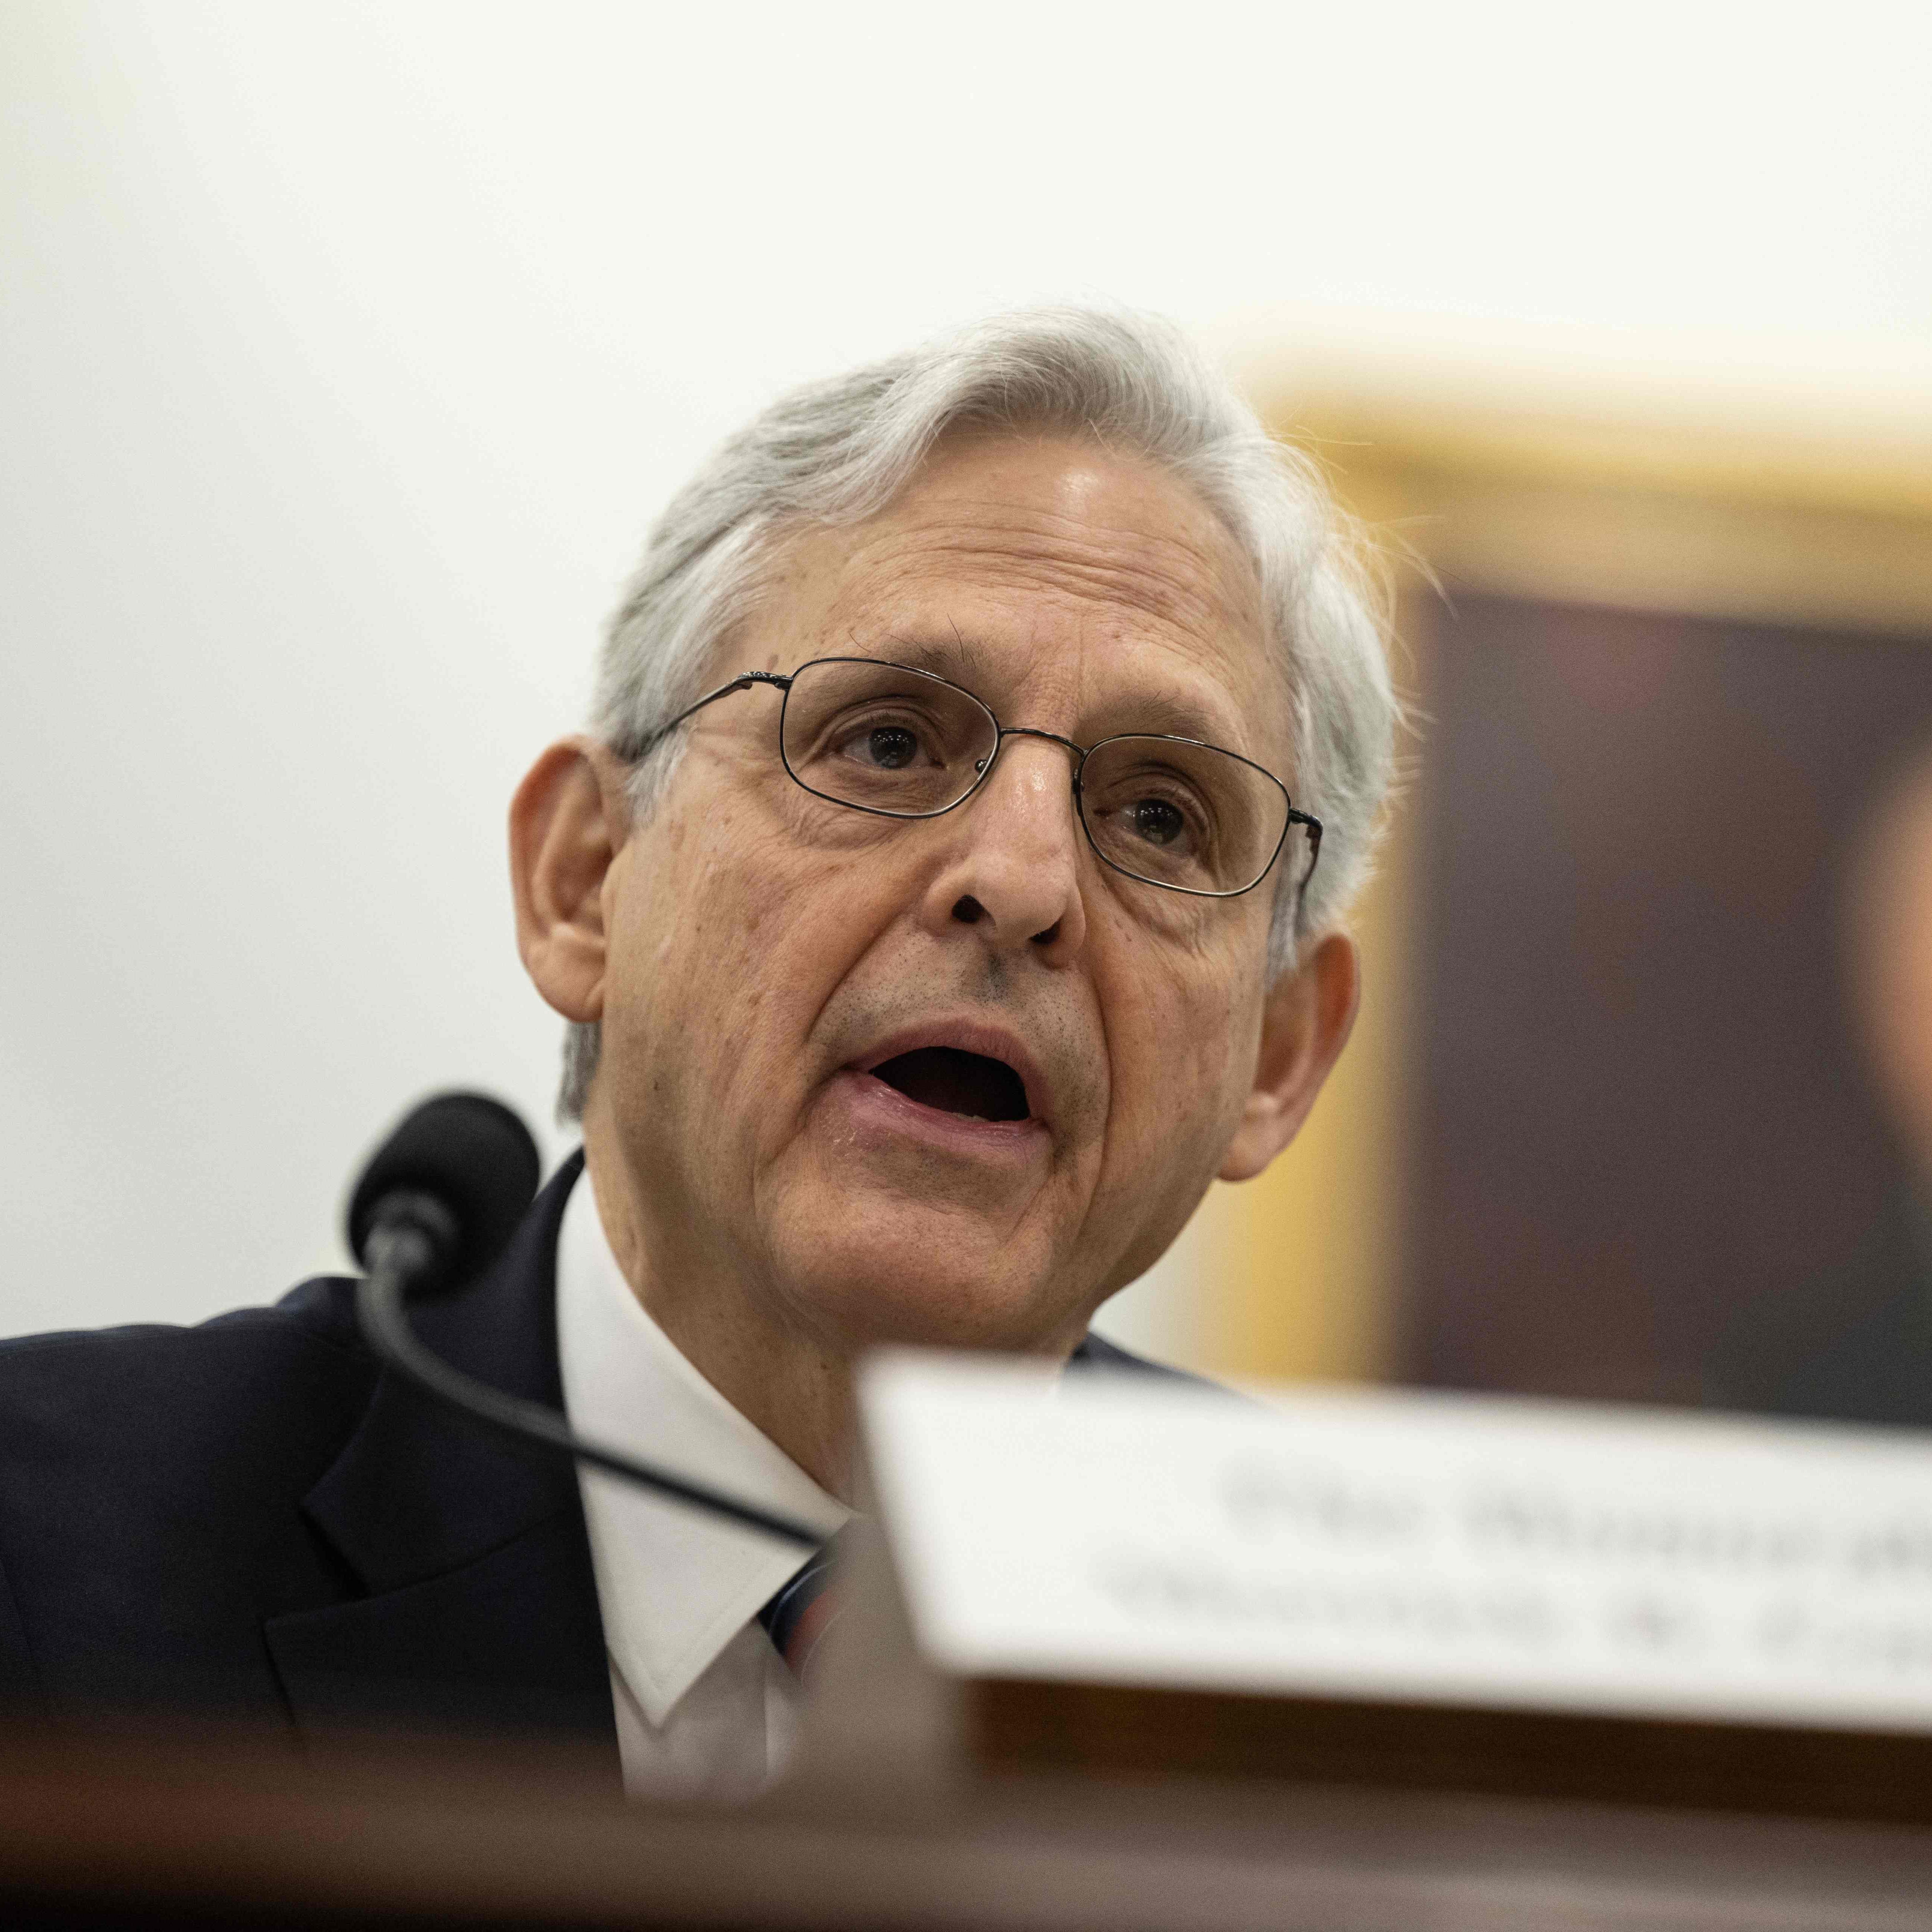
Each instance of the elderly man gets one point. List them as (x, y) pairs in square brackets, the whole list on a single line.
[(948, 889)]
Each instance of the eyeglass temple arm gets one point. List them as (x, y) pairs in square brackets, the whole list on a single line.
[(1314, 825), (743, 681)]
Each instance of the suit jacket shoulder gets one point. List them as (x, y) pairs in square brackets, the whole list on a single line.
[(253, 1517), (149, 1479)]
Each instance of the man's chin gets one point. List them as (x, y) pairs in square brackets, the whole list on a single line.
[(934, 1291)]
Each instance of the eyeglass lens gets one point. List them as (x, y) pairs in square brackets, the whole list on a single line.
[(887, 738)]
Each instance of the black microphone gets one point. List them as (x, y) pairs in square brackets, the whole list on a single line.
[(436, 1204), (441, 1197)]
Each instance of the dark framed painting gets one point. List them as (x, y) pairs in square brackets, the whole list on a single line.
[(1670, 872)]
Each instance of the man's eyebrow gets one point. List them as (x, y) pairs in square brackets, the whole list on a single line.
[(1178, 716), (957, 657)]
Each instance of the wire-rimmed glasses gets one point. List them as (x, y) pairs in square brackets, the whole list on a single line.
[(903, 743)]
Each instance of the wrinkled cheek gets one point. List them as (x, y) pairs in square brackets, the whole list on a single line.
[(682, 982), (1198, 1071), (729, 972), (1184, 927)]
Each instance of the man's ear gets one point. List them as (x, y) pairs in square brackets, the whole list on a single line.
[(567, 824), (1305, 1025)]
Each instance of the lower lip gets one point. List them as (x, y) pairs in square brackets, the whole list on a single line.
[(882, 1113)]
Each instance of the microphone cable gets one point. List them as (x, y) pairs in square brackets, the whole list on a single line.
[(436, 1203)]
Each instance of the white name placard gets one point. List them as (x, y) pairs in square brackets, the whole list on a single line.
[(1406, 1547)]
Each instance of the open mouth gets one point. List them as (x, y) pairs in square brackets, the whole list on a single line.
[(954, 1081)]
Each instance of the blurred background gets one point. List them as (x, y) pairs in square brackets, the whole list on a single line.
[(346, 353)]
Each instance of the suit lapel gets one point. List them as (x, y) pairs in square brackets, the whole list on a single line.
[(480, 1605)]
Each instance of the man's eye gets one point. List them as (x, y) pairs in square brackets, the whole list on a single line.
[(1158, 821), (886, 748)]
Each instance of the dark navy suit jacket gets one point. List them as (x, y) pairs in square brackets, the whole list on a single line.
[(253, 1519)]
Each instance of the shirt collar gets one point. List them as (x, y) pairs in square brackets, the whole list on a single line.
[(675, 1584)]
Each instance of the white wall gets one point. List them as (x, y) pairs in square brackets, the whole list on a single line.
[(346, 351)]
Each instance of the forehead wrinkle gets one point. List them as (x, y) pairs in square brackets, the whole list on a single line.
[(1169, 577)]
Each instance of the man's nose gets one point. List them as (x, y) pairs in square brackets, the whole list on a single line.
[(1013, 869)]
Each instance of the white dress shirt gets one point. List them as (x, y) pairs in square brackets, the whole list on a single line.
[(705, 1705)]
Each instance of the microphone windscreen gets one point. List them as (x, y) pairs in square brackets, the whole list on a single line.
[(469, 1153)]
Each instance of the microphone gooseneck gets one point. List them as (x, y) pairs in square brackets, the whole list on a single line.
[(436, 1204)]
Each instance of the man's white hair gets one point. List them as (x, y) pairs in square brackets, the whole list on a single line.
[(838, 451)]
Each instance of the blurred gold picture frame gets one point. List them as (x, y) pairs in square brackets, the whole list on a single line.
[(1776, 478)]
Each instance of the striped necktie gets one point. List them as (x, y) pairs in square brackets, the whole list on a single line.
[(797, 1618)]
